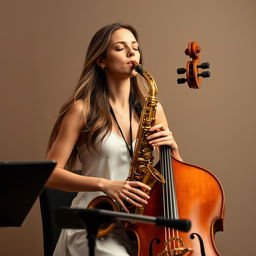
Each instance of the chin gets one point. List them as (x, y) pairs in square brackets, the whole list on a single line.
[(129, 74), (133, 73)]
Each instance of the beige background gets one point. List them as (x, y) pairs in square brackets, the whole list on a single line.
[(43, 44)]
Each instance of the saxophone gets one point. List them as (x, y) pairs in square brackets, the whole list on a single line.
[(141, 168)]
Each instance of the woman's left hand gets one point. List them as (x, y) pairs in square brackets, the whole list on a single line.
[(162, 136)]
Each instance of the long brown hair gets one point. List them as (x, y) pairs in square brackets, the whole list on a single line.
[(92, 91)]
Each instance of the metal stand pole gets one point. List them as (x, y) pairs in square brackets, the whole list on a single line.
[(92, 219)]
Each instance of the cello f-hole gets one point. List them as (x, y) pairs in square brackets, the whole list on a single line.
[(201, 242)]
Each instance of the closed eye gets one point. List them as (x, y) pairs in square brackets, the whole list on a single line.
[(119, 46)]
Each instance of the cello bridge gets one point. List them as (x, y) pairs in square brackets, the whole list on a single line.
[(170, 248)]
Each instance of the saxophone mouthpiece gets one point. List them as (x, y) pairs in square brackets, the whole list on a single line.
[(137, 67)]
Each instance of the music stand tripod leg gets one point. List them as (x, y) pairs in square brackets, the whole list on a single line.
[(92, 225)]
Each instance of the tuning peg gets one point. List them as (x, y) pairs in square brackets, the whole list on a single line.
[(204, 65), (181, 80), (181, 71), (204, 74)]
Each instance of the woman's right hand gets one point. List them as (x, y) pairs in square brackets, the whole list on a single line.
[(133, 192)]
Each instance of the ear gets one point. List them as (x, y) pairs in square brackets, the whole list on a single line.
[(101, 62)]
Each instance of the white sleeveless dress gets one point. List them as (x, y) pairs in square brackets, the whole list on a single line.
[(113, 163)]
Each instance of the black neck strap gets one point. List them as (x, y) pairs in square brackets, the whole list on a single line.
[(130, 148)]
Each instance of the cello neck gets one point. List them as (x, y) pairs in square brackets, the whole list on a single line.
[(169, 192)]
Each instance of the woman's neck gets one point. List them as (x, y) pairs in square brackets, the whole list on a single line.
[(119, 92)]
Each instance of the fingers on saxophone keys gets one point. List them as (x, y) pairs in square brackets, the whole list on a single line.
[(159, 140), (157, 127), (140, 185), (135, 203), (157, 135), (136, 198)]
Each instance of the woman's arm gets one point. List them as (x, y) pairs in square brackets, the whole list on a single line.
[(161, 135), (61, 150), (62, 179)]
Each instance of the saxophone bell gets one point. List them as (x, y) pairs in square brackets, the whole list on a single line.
[(106, 203)]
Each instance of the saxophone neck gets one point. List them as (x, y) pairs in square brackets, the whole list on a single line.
[(153, 91)]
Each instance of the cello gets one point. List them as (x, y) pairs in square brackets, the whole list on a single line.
[(190, 192)]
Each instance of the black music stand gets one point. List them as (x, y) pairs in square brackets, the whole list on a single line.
[(92, 219), (20, 184)]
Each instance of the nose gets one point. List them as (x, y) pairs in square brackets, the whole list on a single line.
[(130, 52)]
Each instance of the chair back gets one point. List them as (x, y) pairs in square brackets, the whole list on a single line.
[(50, 200)]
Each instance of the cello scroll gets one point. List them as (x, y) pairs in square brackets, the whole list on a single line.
[(193, 67)]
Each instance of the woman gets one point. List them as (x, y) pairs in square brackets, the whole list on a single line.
[(99, 124)]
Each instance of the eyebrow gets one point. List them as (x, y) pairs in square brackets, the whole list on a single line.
[(123, 42)]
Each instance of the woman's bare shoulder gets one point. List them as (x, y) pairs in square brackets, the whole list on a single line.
[(75, 116), (78, 107), (77, 110)]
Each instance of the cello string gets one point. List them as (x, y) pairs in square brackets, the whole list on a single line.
[(165, 195), (169, 200), (175, 214), (174, 196), (168, 163)]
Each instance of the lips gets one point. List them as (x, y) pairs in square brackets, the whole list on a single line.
[(132, 63)]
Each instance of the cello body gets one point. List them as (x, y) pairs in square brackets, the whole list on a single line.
[(178, 190), (200, 198), (190, 192)]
